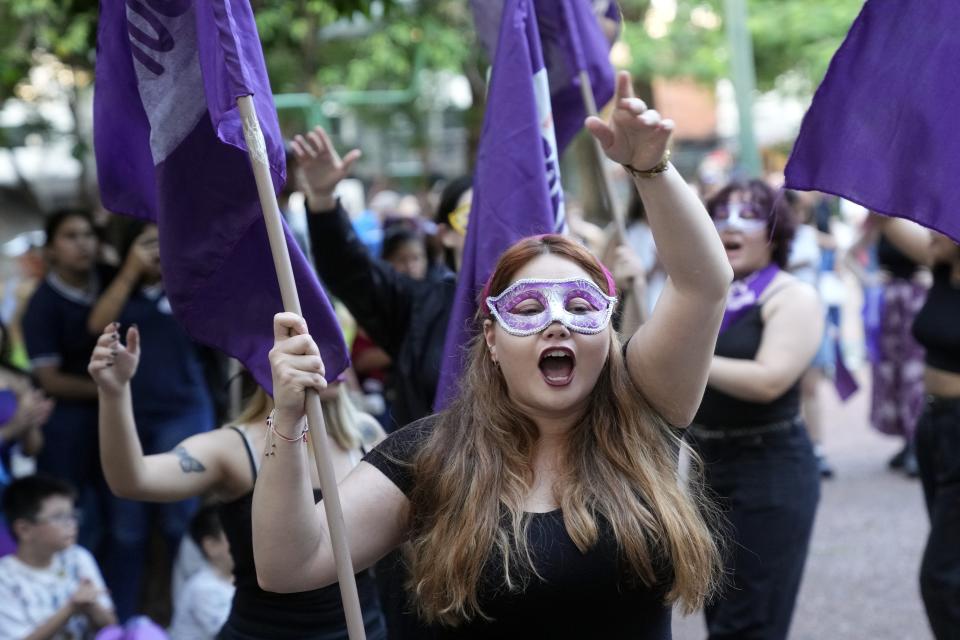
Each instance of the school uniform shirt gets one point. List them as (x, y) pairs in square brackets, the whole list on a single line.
[(203, 606), (30, 596), (170, 378)]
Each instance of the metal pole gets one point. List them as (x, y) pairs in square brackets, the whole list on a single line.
[(744, 82), (318, 431)]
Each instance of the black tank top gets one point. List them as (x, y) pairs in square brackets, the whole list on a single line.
[(894, 261), (741, 340), (937, 326), (263, 614)]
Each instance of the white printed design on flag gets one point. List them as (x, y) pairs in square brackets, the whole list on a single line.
[(541, 90), (163, 42)]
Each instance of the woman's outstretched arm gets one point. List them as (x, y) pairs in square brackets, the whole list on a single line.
[(669, 356)]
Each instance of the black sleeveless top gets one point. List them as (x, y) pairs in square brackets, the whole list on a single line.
[(741, 340), (262, 614), (894, 261), (577, 595), (937, 326)]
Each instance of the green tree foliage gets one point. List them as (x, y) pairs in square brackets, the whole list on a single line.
[(68, 28), (795, 37)]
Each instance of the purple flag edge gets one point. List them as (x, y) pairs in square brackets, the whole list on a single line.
[(791, 181), (114, 49), (227, 52), (469, 282)]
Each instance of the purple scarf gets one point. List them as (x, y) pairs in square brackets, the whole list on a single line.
[(745, 293)]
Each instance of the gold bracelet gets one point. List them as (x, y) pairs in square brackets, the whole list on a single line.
[(652, 172)]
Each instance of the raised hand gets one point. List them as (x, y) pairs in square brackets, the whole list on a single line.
[(144, 254), (113, 364), (634, 135), (296, 365), (35, 408), (627, 268), (319, 167)]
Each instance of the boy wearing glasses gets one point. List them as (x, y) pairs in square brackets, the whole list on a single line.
[(51, 587)]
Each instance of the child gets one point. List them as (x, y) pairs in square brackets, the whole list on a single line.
[(204, 603), (51, 587)]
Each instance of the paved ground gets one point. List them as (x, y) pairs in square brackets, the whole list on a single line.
[(861, 576)]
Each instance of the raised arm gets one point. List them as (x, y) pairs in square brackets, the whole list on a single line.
[(909, 237), (377, 296), (669, 356), (114, 298), (291, 542), (192, 468)]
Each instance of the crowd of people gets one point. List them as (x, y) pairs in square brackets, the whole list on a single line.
[(562, 494)]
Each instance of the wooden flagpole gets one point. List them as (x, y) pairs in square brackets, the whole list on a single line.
[(616, 213), (257, 150)]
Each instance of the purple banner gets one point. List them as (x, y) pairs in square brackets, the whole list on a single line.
[(170, 148), (882, 127)]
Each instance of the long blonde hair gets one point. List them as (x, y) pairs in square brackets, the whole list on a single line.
[(348, 426), (474, 472)]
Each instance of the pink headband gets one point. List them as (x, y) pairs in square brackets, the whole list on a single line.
[(611, 285)]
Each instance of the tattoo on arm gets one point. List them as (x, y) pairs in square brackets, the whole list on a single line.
[(188, 464)]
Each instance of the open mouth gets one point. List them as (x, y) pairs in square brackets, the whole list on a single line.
[(732, 245), (556, 365)]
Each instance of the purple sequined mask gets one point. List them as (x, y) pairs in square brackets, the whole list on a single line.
[(529, 306)]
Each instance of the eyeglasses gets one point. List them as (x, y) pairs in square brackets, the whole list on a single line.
[(459, 217), (70, 517)]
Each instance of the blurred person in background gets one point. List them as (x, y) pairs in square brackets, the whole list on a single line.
[(406, 251), (758, 458), (811, 259), (58, 342), (204, 604), (23, 411), (171, 403), (897, 400), (51, 588), (937, 438)]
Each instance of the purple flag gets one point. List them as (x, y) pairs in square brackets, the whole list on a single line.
[(572, 41), (170, 148), (516, 187), (881, 131)]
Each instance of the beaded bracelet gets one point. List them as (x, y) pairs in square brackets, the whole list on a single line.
[(272, 431)]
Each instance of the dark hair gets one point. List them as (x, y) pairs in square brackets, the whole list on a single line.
[(128, 230), (781, 223), (56, 220), (450, 196), (395, 238), (23, 498), (205, 524)]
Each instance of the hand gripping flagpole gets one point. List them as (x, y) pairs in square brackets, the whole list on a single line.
[(318, 432), (606, 187)]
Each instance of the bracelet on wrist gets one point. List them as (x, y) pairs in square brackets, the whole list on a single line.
[(272, 433), (653, 171)]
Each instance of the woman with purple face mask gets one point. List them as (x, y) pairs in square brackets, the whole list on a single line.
[(544, 502), (758, 459)]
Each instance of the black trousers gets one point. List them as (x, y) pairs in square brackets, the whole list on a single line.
[(938, 454), (768, 487)]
